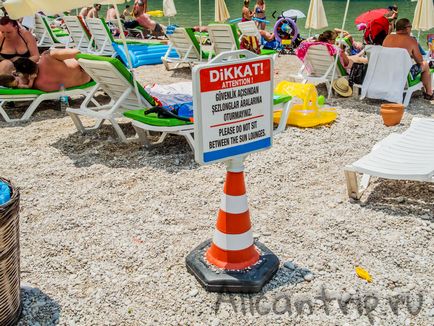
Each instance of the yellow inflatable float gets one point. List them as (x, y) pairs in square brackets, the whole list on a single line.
[(307, 114), (155, 13)]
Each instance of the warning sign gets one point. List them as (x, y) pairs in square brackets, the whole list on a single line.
[(233, 108)]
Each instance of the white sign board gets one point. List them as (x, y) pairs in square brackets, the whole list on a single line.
[(233, 107)]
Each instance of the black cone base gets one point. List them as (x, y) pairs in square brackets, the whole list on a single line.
[(249, 280)]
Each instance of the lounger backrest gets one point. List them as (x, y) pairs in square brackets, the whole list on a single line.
[(101, 35), (43, 32), (224, 37), (77, 32), (249, 28), (319, 60), (114, 78), (183, 43)]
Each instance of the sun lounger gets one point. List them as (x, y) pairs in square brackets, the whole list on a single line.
[(184, 42), (45, 35), (144, 124), (406, 156), (79, 33), (224, 38), (388, 77), (116, 81), (36, 96), (140, 53), (318, 67), (131, 31)]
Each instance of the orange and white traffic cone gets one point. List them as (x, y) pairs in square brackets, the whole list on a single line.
[(233, 261), (232, 246)]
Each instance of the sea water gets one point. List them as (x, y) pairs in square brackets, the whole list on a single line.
[(188, 12)]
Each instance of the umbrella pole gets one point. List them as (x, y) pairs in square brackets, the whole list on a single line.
[(337, 55), (127, 52), (200, 30)]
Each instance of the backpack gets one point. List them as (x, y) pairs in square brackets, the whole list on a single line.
[(357, 74)]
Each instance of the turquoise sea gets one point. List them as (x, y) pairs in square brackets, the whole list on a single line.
[(188, 11)]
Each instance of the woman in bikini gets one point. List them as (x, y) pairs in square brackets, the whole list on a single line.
[(16, 42), (259, 11), (246, 14)]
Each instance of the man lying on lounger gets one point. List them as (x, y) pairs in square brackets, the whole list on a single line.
[(143, 19), (54, 68)]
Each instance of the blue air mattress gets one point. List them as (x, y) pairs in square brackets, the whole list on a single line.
[(143, 54)]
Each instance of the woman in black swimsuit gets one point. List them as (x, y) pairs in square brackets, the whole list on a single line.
[(16, 42)]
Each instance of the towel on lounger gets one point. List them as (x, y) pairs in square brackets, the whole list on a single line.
[(387, 73)]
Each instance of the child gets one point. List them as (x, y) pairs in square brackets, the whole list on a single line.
[(26, 70), (259, 11), (9, 81), (20, 74)]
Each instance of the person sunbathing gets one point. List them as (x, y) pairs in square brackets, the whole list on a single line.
[(346, 61), (54, 69), (143, 19), (18, 74), (403, 39), (12, 81)]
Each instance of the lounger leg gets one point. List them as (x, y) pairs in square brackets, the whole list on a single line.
[(161, 139), (118, 130), (407, 97), (283, 118), (356, 189), (190, 140), (3, 113), (79, 125), (143, 136), (31, 109)]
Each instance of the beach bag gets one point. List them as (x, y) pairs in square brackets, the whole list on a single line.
[(357, 74)]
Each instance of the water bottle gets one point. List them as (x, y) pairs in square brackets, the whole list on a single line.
[(64, 101), (5, 193)]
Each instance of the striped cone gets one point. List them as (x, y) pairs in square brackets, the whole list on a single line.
[(232, 247), (247, 265)]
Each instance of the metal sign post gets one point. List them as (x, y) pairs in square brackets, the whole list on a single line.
[(233, 117)]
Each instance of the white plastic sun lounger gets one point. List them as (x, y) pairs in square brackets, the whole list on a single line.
[(116, 81), (45, 35), (185, 44), (36, 96), (406, 156), (318, 67), (78, 34), (101, 36)]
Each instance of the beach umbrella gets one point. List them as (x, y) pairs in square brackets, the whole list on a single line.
[(291, 13), (341, 36), (19, 8), (370, 15), (221, 11), (169, 8), (316, 17), (423, 16)]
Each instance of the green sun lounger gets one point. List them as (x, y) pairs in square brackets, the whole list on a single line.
[(224, 38), (36, 96), (46, 36), (103, 38), (185, 43), (143, 124), (116, 81)]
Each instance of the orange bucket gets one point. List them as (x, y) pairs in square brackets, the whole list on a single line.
[(392, 113)]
